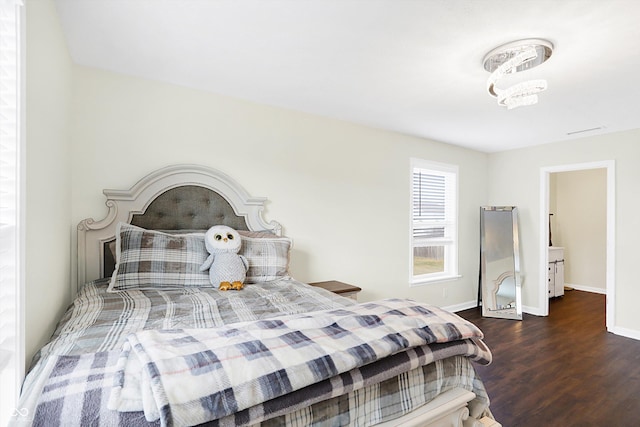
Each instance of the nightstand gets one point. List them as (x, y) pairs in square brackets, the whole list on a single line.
[(340, 288)]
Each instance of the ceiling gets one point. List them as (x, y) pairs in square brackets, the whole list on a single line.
[(413, 67)]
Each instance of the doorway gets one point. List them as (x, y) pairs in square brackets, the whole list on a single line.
[(545, 193)]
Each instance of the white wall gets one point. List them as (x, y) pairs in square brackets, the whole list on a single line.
[(580, 226), (48, 187), (340, 190), (514, 178)]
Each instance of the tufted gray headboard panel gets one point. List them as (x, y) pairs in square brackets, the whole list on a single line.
[(188, 207)]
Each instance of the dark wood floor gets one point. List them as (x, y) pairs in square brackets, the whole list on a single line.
[(561, 370)]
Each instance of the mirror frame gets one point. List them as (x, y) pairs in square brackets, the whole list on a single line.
[(485, 285)]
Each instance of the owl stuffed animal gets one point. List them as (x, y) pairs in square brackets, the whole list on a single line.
[(227, 269)]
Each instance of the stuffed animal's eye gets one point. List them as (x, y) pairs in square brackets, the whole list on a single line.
[(230, 236), (218, 237)]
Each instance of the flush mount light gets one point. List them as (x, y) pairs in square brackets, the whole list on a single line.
[(515, 57)]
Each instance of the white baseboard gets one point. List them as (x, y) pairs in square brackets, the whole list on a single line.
[(587, 288), (532, 310), (624, 332), (462, 306)]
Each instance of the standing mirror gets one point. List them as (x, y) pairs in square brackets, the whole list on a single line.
[(500, 285)]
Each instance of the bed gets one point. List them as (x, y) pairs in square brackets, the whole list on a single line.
[(147, 341)]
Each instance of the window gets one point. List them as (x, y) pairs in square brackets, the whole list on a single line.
[(434, 221), (11, 340)]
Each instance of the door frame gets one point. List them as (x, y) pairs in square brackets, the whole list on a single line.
[(545, 172)]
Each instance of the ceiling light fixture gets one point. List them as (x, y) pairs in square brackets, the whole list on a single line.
[(513, 58)]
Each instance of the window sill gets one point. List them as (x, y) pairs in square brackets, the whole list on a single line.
[(422, 282)]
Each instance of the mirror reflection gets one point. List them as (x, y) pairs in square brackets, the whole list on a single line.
[(500, 262)]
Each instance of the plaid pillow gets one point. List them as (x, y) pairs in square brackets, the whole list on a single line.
[(153, 259), (268, 256)]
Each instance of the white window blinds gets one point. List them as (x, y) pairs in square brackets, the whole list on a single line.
[(429, 204), (11, 353), (434, 201)]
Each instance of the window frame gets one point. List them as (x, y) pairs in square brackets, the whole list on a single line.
[(450, 172), (12, 367)]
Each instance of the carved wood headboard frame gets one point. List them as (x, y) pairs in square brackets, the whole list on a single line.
[(124, 204)]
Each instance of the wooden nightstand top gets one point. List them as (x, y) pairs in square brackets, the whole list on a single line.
[(337, 287)]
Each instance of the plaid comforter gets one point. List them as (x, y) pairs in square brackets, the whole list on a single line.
[(188, 377), (72, 381)]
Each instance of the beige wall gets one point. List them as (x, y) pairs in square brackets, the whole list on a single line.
[(580, 226), (48, 187), (340, 190), (514, 178)]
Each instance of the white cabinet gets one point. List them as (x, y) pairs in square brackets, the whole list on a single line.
[(556, 271)]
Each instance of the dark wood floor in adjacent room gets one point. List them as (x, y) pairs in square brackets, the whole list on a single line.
[(561, 370)]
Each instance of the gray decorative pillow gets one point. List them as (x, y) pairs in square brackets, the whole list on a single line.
[(149, 259), (268, 255)]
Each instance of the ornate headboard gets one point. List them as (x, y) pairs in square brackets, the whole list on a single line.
[(180, 197)]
